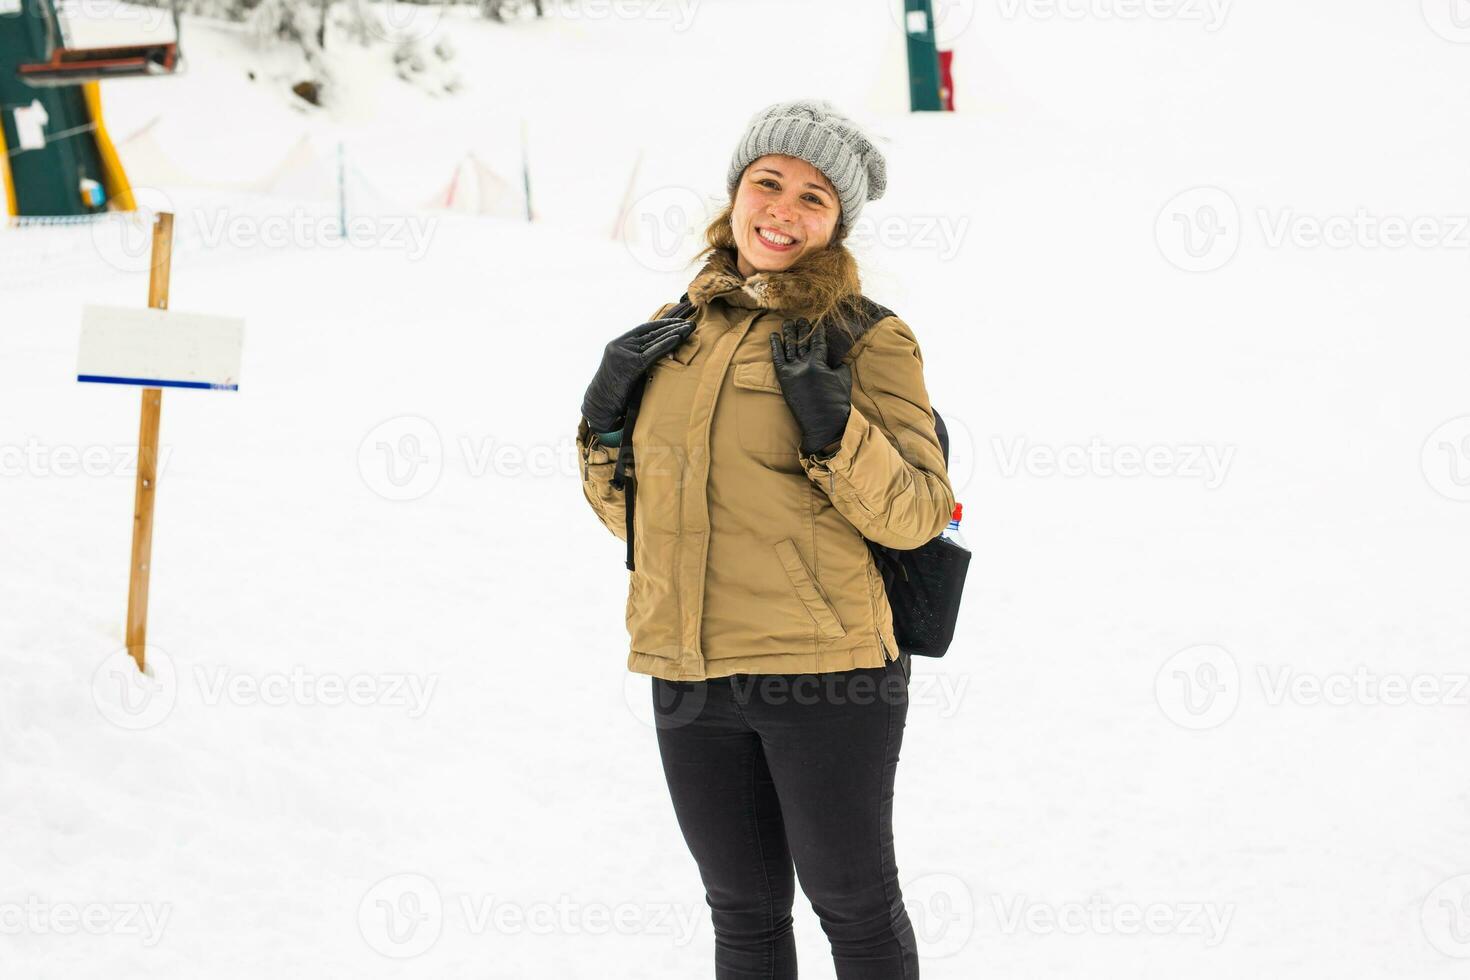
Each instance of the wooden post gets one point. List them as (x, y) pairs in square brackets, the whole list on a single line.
[(137, 627)]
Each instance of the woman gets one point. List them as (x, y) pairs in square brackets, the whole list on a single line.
[(784, 420)]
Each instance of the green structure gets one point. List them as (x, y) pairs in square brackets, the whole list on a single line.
[(918, 25), (57, 157)]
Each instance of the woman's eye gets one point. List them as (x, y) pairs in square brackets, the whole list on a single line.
[(816, 200), (769, 183)]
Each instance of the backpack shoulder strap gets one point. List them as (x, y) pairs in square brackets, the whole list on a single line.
[(839, 342), (868, 315), (873, 312), (942, 431)]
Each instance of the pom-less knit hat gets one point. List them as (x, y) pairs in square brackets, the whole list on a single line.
[(814, 131)]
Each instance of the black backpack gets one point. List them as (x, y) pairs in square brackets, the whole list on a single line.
[(924, 584)]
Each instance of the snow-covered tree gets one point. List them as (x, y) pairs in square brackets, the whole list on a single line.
[(503, 10)]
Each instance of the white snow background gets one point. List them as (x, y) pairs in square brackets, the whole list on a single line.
[(1204, 721)]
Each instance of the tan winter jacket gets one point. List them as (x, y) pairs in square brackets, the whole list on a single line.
[(748, 557)]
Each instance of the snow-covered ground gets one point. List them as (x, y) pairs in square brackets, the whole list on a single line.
[(1207, 720)]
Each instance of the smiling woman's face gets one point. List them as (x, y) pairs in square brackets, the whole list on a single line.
[(784, 208)]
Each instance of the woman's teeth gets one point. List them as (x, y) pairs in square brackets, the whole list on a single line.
[(775, 238)]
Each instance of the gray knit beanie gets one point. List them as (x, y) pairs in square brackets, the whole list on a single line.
[(814, 131)]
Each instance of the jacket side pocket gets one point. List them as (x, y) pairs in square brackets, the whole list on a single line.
[(808, 591)]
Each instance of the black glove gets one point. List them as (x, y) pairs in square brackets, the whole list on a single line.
[(820, 396), (624, 360)]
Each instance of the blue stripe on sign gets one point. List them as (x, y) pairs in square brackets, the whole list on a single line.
[(108, 379)]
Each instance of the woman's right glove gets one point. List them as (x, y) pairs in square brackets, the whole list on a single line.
[(624, 361), (818, 394)]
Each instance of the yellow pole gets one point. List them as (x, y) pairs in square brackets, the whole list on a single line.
[(10, 206), (114, 178)]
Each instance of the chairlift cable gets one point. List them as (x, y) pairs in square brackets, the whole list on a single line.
[(55, 137)]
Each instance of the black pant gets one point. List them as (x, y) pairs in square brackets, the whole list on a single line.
[(767, 770)]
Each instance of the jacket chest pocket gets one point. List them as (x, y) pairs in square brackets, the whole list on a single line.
[(765, 421), (673, 376), (679, 358), (663, 417)]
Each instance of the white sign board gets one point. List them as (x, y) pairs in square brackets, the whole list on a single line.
[(159, 348), (30, 126)]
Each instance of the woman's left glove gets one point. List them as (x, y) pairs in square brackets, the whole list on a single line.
[(820, 396)]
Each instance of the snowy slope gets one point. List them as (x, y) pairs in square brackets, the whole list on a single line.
[(495, 756)]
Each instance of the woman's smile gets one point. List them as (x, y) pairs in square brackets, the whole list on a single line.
[(775, 240)]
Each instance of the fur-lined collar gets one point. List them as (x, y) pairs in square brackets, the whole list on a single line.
[(792, 290)]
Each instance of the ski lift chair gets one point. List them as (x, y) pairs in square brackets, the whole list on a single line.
[(72, 66), (67, 65)]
